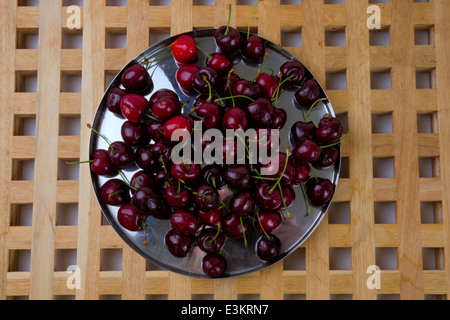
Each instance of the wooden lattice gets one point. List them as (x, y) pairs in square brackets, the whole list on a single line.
[(412, 238)]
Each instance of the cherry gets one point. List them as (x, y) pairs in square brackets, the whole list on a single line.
[(205, 79), (146, 200), (227, 38), (163, 179), (184, 49), (185, 77), (166, 107), (268, 83), (133, 133), (280, 166), (268, 197), (301, 174), (233, 228), (121, 154), (253, 49), (329, 130), (247, 89), (136, 79), (115, 192), (178, 244), (186, 172), (140, 179), (266, 139), (293, 70), (162, 93), (302, 129), (242, 204), (210, 114), (214, 175), (288, 195), (235, 118), (306, 151), (134, 107), (113, 100), (177, 196), (328, 157), (163, 213), (155, 130), (206, 198), (226, 83), (162, 152), (319, 191), (129, 218), (219, 62), (308, 93), (101, 164), (268, 221), (268, 248), (181, 124), (144, 158), (210, 240), (214, 265), (183, 221), (279, 118), (261, 112), (211, 218), (238, 176)]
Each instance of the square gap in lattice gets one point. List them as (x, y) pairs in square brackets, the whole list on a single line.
[(26, 81), (380, 80), (19, 260), (67, 3), (429, 167), (116, 38), (379, 37), (203, 2), (71, 81), (111, 297), (116, 3), (21, 215), (433, 258), (424, 37), (69, 126), (427, 122), (67, 214), (25, 125), (157, 297), (296, 260), (339, 213), (28, 3), (431, 212), (27, 38), (383, 167), (111, 260), (23, 170), (291, 2), (341, 296), (386, 258), (340, 259), (335, 38), (336, 80), (294, 296), (68, 172), (382, 123), (426, 79), (64, 258), (157, 35), (160, 2), (291, 38), (388, 297), (72, 39), (334, 1), (384, 212)]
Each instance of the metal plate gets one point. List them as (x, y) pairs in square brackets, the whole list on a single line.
[(292, 233)]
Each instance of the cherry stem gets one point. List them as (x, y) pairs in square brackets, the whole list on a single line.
[(179, 185), (284, 203), (79, 162), (336, 143), (277, 91), (282, 174), (243, 232), (250, 20), (245, 145), (102, 136), (232, 97), (145, 233), (158, 58), (314, 173), (229, 86), (163, 163), (229, 19), (114, 193), (209, 87), (151, 117), (262, 66), (310, 109), (260, 224), (126, 181), (206, 196), (217, 234), (308, 207)]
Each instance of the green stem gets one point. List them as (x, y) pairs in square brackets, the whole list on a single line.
[(79, 162), (232, 97), (259, 221), (102, 136), (336, 143), (217, 234), (151, 117), (209, 88), (243, 232), (250, 20), (280, 85), (308, 207), (314, 173), (126, 181), (229, 19), (284, 203), (282, 174), (310, 109)]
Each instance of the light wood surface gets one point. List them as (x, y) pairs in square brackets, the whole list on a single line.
[(29, 253)]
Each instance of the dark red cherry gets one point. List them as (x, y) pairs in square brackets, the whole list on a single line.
[(301, 174), (268, 249), (253, 49), (211, 114), (235, 118), (181, 124), (219, 62), (186, 172), (226, 83), (242, 204), (279, 118), (177, 197), (260, 112), (319, 191), (144, 158), (238, 176), (163, 213), (228, 41), (184, 49), (269, 221), (302, 129), (268, 83), (232, 227), (328, 157), (101, 164), (155, 130), (141, 179), (185, 77), (329, 130), (210, 218), (134, 106), (210, 240), (136, 79), (267, 196), (306, 151), (113, 100), (162, 93), (166, 107), (275, 167), (214, 265), (289, 195), (115, 192), (205, 197), (214, 175), (129, 218), (162, 152), (246, 88), (121, 154), (134, 133), (146, 200), (266, 139), (183, 221), (178, 244), (163, 179), (293, 70), (204, 78), (308, 93)]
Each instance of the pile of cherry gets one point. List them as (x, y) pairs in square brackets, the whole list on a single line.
[(186, 193)]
